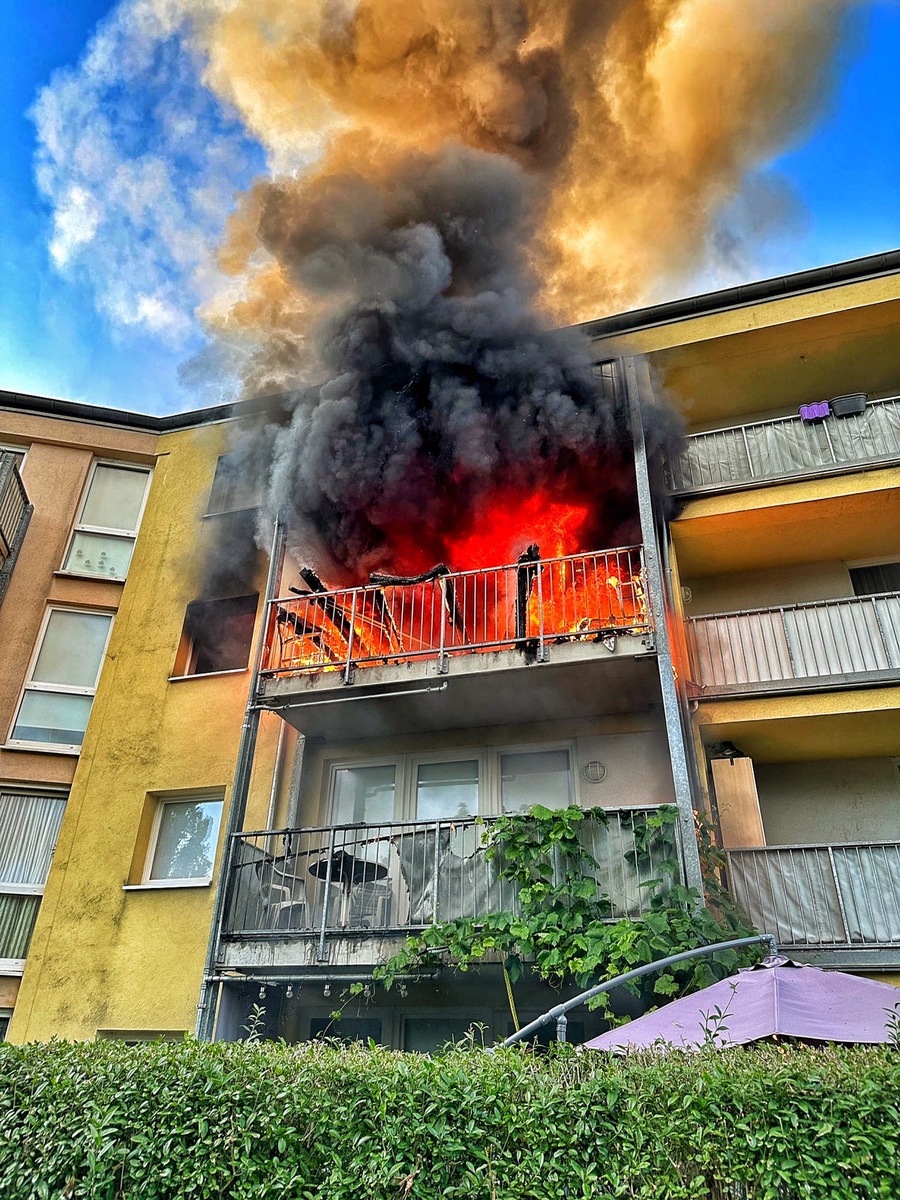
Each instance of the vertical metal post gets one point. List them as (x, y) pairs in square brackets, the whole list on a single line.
[(562, 1023), (348, 669), (638, 388), (542, 644), (240, 787), (321, 953)]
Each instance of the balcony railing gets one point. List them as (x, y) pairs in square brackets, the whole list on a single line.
[(526, 606), (403, 876), (841, 896), (747, 455), (854, 640), (15, 512)]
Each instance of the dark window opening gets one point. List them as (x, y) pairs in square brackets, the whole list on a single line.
[(217, 635), (869, 581)]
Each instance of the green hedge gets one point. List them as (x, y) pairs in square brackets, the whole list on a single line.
[(189, 1120)]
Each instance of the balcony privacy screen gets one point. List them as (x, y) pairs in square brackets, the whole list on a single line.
[(29, 826), (855, 636), (845, 895), (772, 449)]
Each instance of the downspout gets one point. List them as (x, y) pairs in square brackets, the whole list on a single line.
[(639, 390), (206, 1007)]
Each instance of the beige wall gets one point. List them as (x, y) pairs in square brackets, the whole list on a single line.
[(799, 584), (841, 800), (54, 474)]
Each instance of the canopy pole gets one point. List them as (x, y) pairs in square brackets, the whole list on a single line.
[(559, 1011)]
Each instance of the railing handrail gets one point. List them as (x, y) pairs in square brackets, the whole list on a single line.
[(870, 845), (776, 608), (366, 587), (790, 417), (480, 819)]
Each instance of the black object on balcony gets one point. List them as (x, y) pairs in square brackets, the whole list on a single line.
[(849, 406)]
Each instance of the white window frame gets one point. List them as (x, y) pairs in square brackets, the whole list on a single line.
[(406, 777), (57, 688), (197, 880), (16, 966), (121, 534)]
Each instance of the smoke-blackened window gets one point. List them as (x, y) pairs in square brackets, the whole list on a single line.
[(235, 486), (217, 635)]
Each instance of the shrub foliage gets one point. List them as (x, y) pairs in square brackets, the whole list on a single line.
[(112, 1122)]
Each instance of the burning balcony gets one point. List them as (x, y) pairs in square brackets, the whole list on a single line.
[(345, 894), (787, 448), (447, 627), (15, 513), (793, 647), (838, 904)]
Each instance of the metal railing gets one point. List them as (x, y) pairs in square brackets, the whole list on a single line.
[(760, 648), (787, 447), (844, 896), (15, 512), (527, 606), (404, 876)]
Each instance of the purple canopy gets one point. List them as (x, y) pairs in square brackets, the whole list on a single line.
[(776, 996)]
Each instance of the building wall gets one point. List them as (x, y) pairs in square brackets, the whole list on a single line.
[(59, 454), (800, 584), (104, 958), (838, 800)]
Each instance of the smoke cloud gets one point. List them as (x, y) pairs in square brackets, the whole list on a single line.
[(482, 168), (445, 180)]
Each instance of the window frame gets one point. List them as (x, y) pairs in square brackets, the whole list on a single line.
[(58, 688), (187, 643), (16, 966), (239, 508), (20, 452), (78, 526), (495, 769), (160, 803), (406, 777)]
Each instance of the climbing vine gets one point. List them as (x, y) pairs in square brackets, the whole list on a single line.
[(563, 928)]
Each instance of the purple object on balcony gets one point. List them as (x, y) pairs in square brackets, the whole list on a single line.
[(817, 411), (777, 997)]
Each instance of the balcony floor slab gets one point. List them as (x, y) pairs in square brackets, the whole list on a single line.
[(579, 681)]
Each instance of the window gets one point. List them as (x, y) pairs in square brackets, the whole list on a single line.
[(364, 794), (452, 786), (57, 700), (103, 538), (29, 826), (183, 842), (535, 777), (236, 485), (18, 453), (880, 577), (217, 636), (5, 1018), (447, 790)]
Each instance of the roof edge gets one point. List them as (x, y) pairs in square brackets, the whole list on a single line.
[(779, 287), (95, 414)]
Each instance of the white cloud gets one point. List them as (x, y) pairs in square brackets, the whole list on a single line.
[(140, 166)]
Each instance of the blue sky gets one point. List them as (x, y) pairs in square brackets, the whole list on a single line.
[(62, 330)]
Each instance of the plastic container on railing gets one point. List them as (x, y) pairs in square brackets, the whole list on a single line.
[(850, 405)]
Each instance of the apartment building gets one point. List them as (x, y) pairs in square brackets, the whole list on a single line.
[(272, 785)]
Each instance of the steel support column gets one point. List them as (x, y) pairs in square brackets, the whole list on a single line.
[(206, 1007), (639, 393)]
